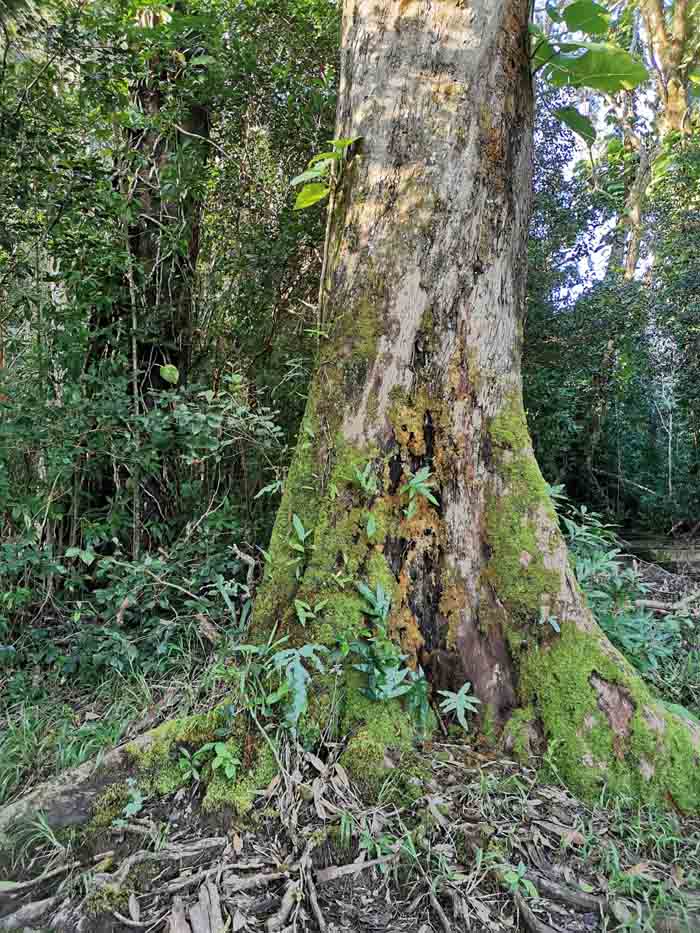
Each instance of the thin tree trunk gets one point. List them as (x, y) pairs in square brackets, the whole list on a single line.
[(424, 296)]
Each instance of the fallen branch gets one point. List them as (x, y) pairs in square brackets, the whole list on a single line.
[(654, 604), (437, 907), (234, 885), (29, 914), (315, 906), (569, 897), (533, 923), (291, 897), (339, 871), (15, 887)]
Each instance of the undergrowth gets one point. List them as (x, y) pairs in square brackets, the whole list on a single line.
[(665, 648)]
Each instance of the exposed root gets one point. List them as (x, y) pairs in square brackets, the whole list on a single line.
[(302, 863), (29, 914), (68, 799), (291, 898), (532, 923), (170, 854)]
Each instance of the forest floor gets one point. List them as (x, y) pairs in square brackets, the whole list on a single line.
[(488, 846)]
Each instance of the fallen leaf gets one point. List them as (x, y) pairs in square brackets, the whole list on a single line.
[(208, 630), (572, 838), (134, 908)]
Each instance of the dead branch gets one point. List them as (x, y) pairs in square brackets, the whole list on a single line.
[(29, 914), (339, 871), (533, 923), (291, 897), (234, 885)]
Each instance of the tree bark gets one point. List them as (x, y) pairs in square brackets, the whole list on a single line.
[(423, 298), (668, 41)]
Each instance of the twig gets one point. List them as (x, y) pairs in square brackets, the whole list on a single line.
[(23, 885), (290, 898), (437, 907), (533, 924), (315, 906), (628, 482)]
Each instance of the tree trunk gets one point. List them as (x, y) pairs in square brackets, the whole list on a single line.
[(423, 298), (164, 240)]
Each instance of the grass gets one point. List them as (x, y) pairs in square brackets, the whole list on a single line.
[(60, 727)]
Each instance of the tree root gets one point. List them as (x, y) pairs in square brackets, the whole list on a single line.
[(68, 799), (532, 923), (615, 908), (29, 914)]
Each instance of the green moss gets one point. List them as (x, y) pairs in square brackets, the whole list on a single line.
[(488, 726), (515, 517), (299, 498), (651, 756), (107, 898), (380, 731), (157, 764), (509, 428), (109, 806), (516, 735), (240, 793)]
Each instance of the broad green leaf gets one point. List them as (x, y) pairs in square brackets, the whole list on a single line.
[(308, 175), (170, 374), (576, 121), (602, 66), (324, 157), (586, 16), (542, 52), (553, 13), (344, 142), (371, 526), (310, 194), (299, 528)]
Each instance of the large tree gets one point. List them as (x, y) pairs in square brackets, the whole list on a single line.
[(419, 376), (414, 496)]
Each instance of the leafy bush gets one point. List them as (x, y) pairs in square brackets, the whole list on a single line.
[(655, 645)]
